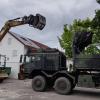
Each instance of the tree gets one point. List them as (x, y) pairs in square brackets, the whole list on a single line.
[(86, 25), (79, 25), (66, 40)]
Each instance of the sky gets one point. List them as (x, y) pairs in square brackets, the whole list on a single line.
[(57, 13)]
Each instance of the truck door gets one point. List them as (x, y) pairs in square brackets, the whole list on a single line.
[(38, 61)]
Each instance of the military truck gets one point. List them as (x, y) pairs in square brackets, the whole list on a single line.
[(4, 71), (47, 68)]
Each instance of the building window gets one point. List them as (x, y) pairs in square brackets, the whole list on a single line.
[(9, 41), (14, 53)]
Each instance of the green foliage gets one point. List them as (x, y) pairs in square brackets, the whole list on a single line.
[(92, 49), (96, 20), (79, 26), (96, 27), (66, 40)]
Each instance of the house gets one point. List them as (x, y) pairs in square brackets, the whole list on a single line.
[(13, 45)]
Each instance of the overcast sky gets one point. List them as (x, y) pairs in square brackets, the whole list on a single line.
[(57, 13)]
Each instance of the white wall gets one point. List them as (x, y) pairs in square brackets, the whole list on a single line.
[(8, 50), (69, 62)]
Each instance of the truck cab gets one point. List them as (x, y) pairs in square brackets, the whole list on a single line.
[(46, 68), (43, 60)]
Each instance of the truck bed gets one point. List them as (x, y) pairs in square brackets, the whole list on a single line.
[(88, 62)]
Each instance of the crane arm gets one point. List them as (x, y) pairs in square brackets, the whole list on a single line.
[(37, 21), (7, 27)]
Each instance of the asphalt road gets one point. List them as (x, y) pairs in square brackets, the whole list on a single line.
[(12, 89)]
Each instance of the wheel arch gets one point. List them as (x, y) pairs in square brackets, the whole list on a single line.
[(37, 72), (64, 74)]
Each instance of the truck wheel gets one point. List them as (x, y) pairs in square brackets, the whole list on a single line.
[(62, 85), (39, 83)]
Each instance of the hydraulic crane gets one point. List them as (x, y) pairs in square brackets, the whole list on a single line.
[(37, 21)]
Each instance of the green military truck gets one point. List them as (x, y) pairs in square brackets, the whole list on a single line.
[(4, 71), (47, 68)]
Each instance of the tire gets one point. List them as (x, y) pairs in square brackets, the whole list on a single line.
[(39, 83), (62, 85)]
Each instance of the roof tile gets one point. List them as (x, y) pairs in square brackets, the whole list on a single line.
[(28, 42)]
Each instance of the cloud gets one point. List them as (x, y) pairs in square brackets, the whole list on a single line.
[(57, 13)]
